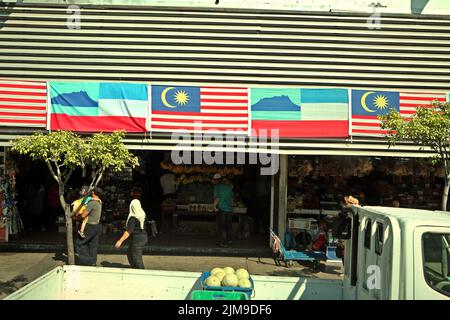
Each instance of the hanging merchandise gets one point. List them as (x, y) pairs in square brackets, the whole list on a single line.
[(203, 169), (3, 223), (141, 167), (10, 218), (331, 166)]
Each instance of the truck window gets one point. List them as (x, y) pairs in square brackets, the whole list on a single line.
[(436, 260), (368, 234), (379, 238)]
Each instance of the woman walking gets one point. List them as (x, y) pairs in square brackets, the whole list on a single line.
[(135, 230)]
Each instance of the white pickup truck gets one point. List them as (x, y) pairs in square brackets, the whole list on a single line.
[(390, 253), (398, 254)]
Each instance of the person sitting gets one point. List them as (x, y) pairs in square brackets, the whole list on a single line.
[(320, 242), (349, 200)]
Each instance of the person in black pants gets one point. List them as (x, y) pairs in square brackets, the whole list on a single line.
[(223, 205), (86, 248), (135, 230)]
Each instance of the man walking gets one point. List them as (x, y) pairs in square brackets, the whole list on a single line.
[(86, 248), (223, 205)]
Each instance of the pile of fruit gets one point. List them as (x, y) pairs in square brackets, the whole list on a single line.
[(228, 277)]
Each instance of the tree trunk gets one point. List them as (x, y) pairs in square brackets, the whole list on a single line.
[(69, 237), (445, 194), (69, 229)]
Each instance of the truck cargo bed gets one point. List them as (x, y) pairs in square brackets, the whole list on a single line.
[(96, 283)]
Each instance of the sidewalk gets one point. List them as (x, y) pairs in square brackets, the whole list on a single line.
[(19, 269), (163, 244)]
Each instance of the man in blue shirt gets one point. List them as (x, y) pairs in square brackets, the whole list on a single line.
[(223, 205)]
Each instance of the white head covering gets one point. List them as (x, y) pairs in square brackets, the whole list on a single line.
[(137, 212)]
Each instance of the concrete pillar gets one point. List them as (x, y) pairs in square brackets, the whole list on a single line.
[(282, 196), (272, 201)]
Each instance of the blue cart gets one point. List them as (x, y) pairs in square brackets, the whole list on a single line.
[(289, 256)]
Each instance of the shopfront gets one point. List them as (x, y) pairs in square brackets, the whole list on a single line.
[(316, 186), (248, 71), (182, 218), (306, 187)]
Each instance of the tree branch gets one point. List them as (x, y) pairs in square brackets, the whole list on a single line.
[(68, 177), (52, 172), (58, 171), (99, 177)]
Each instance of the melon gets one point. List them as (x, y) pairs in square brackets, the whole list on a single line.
[(230, 280), (220, 275), (242, 274), (228, 270), (216, 270), (212, 281), (244, 283)]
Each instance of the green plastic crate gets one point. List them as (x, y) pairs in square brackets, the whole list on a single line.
[(218, 295)]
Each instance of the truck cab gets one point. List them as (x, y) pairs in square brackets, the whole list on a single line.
[(396, 254)]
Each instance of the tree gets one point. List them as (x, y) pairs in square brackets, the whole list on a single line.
[(64, 151), (428, 127)]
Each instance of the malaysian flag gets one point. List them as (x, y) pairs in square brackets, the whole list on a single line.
[(368, 105), (23, 103), (211, 109)]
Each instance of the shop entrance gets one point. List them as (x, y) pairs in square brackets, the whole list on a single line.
[(182, 214), (317, 186)]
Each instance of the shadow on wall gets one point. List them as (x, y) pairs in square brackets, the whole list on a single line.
[(6, 9)]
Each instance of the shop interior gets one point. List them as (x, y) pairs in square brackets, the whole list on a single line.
[(316, 187), (185, 219)]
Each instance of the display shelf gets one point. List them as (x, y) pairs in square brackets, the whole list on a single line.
[(313, 212)]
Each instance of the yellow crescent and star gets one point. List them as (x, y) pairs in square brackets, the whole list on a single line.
[(381, 102), (181, 97)]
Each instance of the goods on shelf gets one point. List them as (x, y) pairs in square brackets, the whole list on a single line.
[(186, 179), (125, 175), (170, 202), (117, 188), (301, 168), (294, 202), (345, 166), (204, 169), (411, 167), (332, 166)]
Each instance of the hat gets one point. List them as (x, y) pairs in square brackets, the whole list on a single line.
[(217, 176)]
